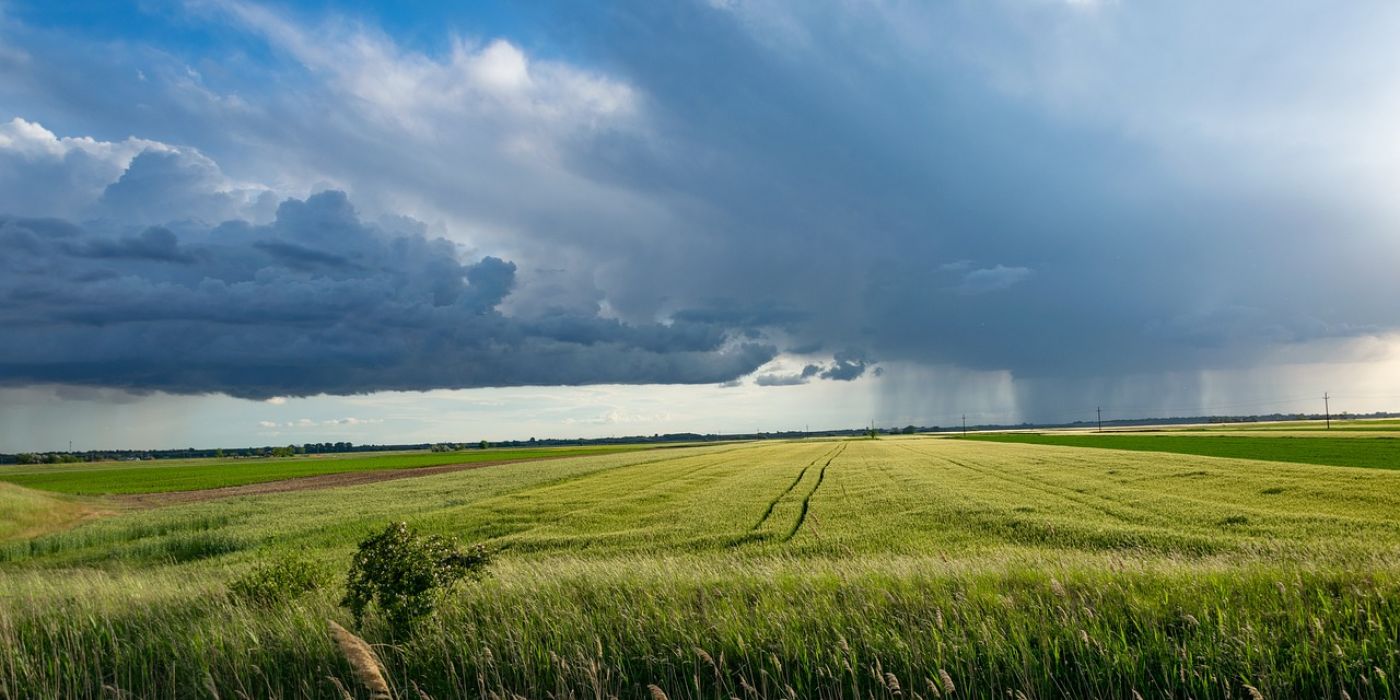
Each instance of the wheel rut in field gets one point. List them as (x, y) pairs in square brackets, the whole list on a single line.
[(774, 503), (807, 501)]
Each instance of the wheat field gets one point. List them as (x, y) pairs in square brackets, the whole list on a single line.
[(900, 567)]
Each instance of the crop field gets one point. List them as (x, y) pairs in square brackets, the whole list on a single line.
[(900, 567), (1368, 424), (186, 475), (1350, 451)]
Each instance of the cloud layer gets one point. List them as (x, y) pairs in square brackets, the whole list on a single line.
[(795, 193), (316, 301)]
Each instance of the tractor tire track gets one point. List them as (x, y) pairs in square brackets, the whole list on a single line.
[(774, 503), (600, 505), (807, 502)]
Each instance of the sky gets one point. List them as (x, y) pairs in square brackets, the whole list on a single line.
[(229, 223)]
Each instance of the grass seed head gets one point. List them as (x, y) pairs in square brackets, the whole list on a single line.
[(948, 686), (362, 660), (933, 688), (892, 684)]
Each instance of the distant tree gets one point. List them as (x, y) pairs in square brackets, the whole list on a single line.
[(909, 430), (485, 444)]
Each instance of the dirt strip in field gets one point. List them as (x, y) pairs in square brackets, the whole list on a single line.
[(306, 483)]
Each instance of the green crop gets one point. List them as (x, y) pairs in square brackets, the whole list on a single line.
[(1371, 452), (189, 475)]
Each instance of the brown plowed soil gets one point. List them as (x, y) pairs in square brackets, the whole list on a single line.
[(305, 483)]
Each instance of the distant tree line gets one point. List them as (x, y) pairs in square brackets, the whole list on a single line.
[(45, 458), (340, 447), (193, 453)]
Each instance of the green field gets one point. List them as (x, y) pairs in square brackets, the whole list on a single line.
[(907, 567), (1368, 424), (1371, 452), (188, 475)]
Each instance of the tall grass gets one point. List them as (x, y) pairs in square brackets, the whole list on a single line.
[(744, 628)]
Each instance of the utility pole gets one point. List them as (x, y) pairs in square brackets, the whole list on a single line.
[(1327, 408), (1099, 410), (964, 424)]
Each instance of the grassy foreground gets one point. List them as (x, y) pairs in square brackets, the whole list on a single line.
[(890, 568)]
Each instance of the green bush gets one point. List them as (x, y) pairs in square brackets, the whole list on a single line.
[(278, 582), (403, 574)]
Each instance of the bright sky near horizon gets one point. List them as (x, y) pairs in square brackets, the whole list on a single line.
[(229, 223)]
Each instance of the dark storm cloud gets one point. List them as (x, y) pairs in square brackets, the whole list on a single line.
[(314, 302), (848, 366), (891, 172), (733, 313), (155, 243), (299, 256), (1061, 191)]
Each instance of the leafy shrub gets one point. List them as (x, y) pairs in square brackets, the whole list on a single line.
[(278, 582), (403, 574)]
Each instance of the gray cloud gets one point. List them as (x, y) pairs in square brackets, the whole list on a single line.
[(155, 243), (991, 279), (316, 301), (848, 366), (772, 379)]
